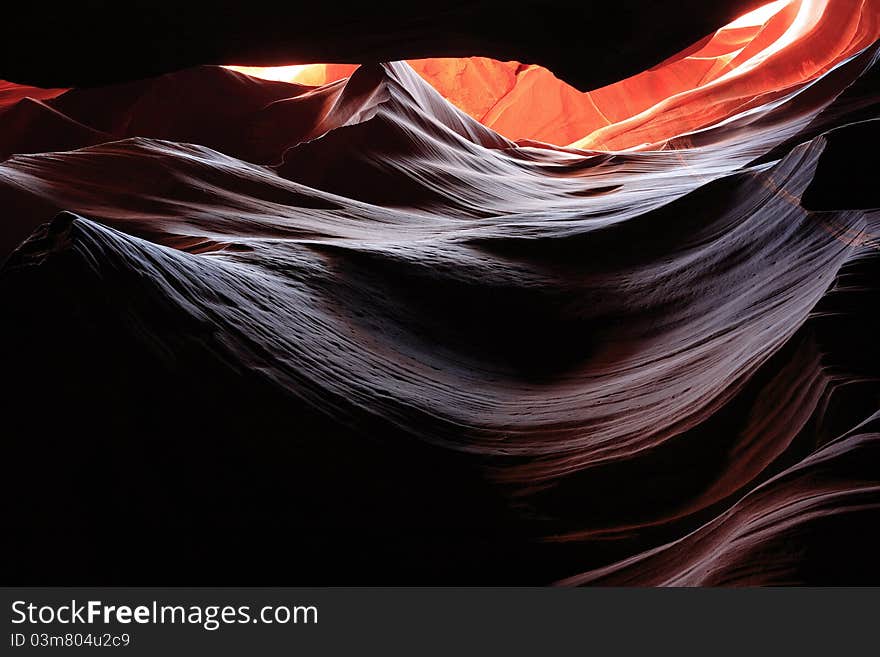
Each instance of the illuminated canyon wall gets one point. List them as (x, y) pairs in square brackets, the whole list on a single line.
[(771, 50), (343, 331)]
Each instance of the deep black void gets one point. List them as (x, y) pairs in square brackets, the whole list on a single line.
[(618, 39)]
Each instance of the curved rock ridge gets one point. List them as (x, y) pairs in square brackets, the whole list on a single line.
[(349, 333)]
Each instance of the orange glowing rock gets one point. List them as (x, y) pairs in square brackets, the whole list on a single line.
[(313, 75), (771, 50), (11, 93)]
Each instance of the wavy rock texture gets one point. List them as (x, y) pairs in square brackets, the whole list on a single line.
[(350, 334)]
